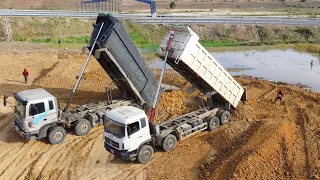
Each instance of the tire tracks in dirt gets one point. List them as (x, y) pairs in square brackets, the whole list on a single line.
[(225, 161), (133, 172), (69, 156), (301, 122), (287, 166)]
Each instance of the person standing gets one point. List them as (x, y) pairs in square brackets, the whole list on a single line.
[(25, 74), (5, 100), (279, 96)]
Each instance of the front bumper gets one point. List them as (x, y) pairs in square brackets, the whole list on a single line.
[(23, 134), (124, 154)]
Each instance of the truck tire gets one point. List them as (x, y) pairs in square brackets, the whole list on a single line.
[(57, 135), (145, 154), (225, 117), (82, 127), (169, 142), (213, 123)]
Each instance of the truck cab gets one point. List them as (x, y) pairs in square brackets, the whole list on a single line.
[(35, 110), (126, 132)]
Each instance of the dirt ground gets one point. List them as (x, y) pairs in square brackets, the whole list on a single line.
[(263, 140)]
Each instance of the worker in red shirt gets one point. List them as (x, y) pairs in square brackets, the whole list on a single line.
[(279, 96), (25, 74)]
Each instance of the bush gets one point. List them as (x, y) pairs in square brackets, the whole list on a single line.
[(312, 15), (172, 5)]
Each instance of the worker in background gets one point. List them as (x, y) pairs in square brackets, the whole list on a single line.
[(25, 74), (311, 63), (279, 96), (5, 100)]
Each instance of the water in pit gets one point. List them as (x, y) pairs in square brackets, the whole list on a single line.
[(276, 65)]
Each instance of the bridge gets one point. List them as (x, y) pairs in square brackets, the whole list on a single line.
[(110, 6)]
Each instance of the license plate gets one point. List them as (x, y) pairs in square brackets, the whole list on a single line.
[(112, 151)]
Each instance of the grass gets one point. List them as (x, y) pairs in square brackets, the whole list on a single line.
[(148, 37), (209, 43), (312, 48), (80, 40), (29, 28)]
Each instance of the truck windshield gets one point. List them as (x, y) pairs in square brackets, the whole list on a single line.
[(20, 109), (114, 127)]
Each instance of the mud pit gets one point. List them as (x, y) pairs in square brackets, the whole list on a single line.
[(263, 140)]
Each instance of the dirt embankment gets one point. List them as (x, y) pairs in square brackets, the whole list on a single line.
[(271, 141), (73, 30), (263, 140)]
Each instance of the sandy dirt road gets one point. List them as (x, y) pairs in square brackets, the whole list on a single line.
[(263, 140)]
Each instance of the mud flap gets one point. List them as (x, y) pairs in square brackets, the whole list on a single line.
[(244, 96)]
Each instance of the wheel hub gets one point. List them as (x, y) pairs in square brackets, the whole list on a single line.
[(170, 143), (83, 127), (146, 154), (226, 118), (57, 136)]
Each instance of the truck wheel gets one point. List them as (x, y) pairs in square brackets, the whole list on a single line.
[(145, 154), (82, 127), (57, 135), (213, 123), (169, 142), (225, 117)]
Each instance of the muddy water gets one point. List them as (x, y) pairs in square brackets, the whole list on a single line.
[(276, 65)]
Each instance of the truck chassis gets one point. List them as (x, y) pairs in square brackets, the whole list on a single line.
[(82, 119), (172, 131)]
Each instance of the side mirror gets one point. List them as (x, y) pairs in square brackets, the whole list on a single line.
[(104, 118), (129, 131), (34, 110), (5, 100)]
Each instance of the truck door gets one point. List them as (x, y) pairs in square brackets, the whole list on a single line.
[(52, 113), (138, 133), (37, 111), (134, 135)]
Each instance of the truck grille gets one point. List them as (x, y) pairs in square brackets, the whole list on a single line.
[(112, 143), (19, 122)]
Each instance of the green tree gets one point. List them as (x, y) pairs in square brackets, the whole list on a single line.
[(172, 5)]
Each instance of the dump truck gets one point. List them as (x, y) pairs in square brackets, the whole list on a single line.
[(37, 114), (115, 49), (128, 133)]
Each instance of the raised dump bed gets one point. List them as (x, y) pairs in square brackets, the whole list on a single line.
[(195, 63), (119, 57)]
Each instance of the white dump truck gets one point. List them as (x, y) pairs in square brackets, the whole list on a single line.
[(37, 112), (127, 131), (37, 115)]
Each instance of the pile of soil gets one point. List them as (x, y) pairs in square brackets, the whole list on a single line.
[(263, 140)]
